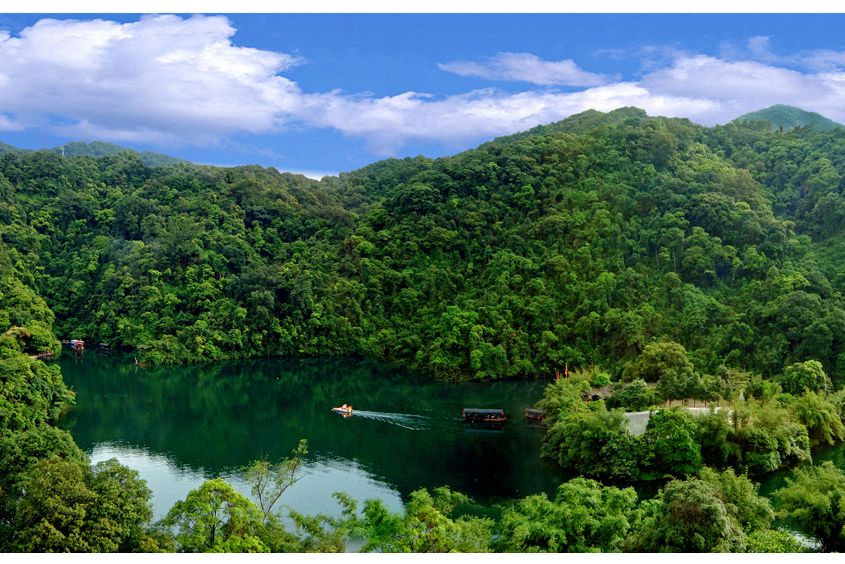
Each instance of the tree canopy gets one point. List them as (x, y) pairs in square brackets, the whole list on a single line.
[(706, 262), (613, 239)]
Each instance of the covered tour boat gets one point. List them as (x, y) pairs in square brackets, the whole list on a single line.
[(473, 415)]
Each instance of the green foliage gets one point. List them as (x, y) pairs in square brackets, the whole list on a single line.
[(763, 436), (718, 440), (759, 451), (761, 389), (751, 436), (584, 517), (754, 437), (51, 516), (216, 518), (31, 394), (669, 444), (317, 533), (784, 117), (633, 396), (320, 533), (427, 526), (659, 360), (711, 513), (772, 540), (593, 374), (599, 240), (803, 377), (600, 380), (25, 320), (269, 481), (653, 247), (814, 502), (689, 516), (122, 511), (67, 507), (593, 442), (741, 499), (21, 451), (563, 398), (821, 418)]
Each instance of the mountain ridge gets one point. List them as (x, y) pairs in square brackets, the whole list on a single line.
[(781, 116), (581, 242), (98, 149), (778, 116)]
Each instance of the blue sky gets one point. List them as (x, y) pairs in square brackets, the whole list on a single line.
[(326, 93)]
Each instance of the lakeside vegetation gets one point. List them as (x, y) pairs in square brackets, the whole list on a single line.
[(679, 261)]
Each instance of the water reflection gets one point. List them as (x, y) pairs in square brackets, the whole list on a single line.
[(180, 425), (171, 482)]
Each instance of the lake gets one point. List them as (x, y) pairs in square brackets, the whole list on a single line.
[(178, 426)]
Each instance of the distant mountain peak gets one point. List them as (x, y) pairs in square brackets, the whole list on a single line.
[(102, 149), (785, 117), (97, 149)]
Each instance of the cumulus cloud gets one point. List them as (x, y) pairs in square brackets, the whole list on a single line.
[(391, 121), (171, 80), (737, 87), (824, 59), (526, 67), (705, 89), (161, 79), (10, 124)]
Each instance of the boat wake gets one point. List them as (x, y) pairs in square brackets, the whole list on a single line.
[(404, 420)]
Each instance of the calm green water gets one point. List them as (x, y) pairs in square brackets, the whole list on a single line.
[(776, 480), (181, 425)]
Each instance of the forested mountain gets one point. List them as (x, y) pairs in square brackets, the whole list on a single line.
[(579, 242), (629, 247), (99, 149), (789, 117), (6, 148)]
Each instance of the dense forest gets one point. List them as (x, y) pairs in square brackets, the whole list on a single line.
[(579, 243), (673, 260)]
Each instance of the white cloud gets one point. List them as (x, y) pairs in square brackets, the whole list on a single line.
[(824, 60), (162, 79), (526, 67), (738, 87), (705, 89), (391, 121), (759, 45), (170, 80), (10, 124)]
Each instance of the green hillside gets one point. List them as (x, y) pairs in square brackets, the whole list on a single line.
[(665, 259), (5, 148), (98, 149), (101, 149), (578, 242), (789, 117)]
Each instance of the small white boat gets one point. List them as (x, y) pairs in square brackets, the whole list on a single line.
[(344, 410)]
